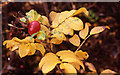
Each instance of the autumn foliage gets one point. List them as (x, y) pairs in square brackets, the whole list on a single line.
[(63, 24)]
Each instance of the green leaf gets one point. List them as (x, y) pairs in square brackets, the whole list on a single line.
[(41, 35), (23, 19)]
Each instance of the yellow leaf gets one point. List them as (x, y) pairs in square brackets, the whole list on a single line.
[(69, 56), (81, 10), (108, 72), (81, 55), (45, 29), (32, 15), (23, 50), (52, 15), (38, 17), (68, 69), (91, 67), (5, 42), (56, 41), (58, 18), (65, 29), (55, 22), (16, 39), (58, 34), (97, 29), (28, 39), (76, 65), (75, 40), (40, 47), (74, 23), (48, 62), (83, 33), (11, 43), (32, 48), (45, 21), (15, 47)]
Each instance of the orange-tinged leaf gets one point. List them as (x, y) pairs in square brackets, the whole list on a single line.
[(32, 48), (23, 50), (75, 40), (74, 23), (65, 29), (90, 66), (56, 41), (40, 47), (45, 21), (81, 55), (58, 34), (83, 33), (68, 69), (97, 29), (81, 10), (108, 72), (48, 62)]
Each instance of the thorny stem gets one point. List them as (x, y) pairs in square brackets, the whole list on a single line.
[(82, 43)]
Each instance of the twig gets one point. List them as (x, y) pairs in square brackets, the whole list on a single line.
[(90, 6), (82, 43), (24, 25)]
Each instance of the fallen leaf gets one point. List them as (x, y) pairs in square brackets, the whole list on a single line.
[(108, 72), (90, 67)]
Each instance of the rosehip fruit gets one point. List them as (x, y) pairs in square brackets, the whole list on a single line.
[(34, 27)]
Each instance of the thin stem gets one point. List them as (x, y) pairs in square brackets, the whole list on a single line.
[(82, 43)]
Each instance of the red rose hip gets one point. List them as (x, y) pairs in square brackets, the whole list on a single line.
[(34, 27)]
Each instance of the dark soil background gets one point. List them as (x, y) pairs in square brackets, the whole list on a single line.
[(103, 48)]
